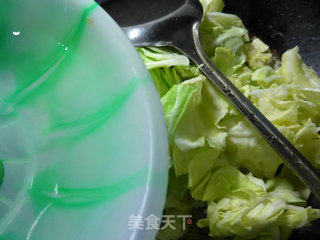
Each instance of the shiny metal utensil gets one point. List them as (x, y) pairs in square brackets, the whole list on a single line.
[(176, 23)]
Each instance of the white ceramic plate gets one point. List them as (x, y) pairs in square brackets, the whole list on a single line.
[(82, 133)]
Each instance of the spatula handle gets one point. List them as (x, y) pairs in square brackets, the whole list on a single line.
[(305, 170)]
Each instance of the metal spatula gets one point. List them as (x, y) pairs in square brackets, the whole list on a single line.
[(176, 23)]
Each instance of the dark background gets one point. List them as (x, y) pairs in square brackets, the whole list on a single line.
[(283, 24)]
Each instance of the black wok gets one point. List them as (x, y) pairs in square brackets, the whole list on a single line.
[(282, 24)]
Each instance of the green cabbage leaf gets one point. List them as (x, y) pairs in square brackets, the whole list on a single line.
[(219, 161)]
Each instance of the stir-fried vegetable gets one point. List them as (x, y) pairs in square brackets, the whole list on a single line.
[(218, 158)]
